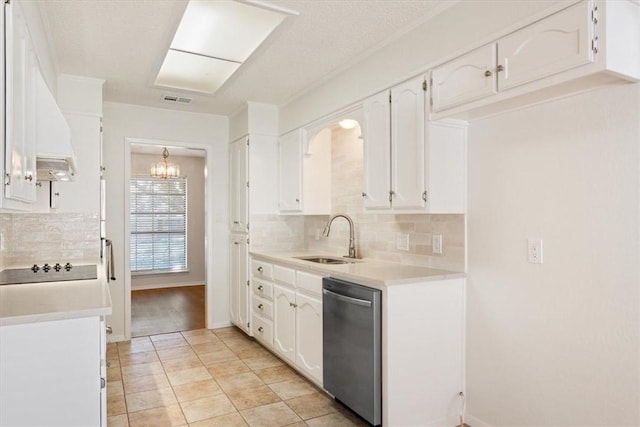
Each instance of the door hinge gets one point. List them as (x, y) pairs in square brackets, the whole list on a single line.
[(247, 240), (424, 85), (247, 226), (7, 179), (247, 184), (248, 325), (391, 193), (247, 141), (594, 15), (424, 195), (389, 97), (247, 283), (7, 1), (594, 44)]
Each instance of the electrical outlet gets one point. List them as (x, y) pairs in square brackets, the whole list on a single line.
[(436, 243), (534, 250), (402, 241)]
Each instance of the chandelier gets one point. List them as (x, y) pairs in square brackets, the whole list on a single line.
[(164, 169)]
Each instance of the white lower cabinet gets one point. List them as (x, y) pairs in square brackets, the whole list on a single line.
[(53, 373), (287, 315), (309, 335), (284, 317), (238, 283)]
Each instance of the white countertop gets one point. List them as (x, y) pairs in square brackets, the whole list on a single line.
[(40, 302), (367, 271)]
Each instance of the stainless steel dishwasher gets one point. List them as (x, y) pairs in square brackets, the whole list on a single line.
[(352, 367)]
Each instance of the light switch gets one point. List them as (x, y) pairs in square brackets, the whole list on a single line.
[(534, 250)]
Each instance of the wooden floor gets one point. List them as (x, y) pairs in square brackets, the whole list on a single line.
[(160, 311)]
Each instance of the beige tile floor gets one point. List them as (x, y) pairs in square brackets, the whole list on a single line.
[(211, 378)]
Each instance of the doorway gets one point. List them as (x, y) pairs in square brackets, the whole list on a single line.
[(166, 234)]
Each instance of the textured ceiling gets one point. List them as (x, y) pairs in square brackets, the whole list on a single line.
[(124, 42)]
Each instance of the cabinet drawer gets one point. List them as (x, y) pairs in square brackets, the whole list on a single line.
[(262, 288), (309, 282), (261, 269), (284, 275), (262, 307), (262, 330)]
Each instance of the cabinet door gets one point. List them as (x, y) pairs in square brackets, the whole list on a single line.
[(557, 43), (239, 191), (465, 79), (407, 144), (309, 335), (238, 283), (20, 108), (376, 134), (284, 322), (290, 167)]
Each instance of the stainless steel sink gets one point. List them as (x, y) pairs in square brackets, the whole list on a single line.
[(325, 260)]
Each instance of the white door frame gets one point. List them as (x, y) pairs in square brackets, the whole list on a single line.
[(210, 291)]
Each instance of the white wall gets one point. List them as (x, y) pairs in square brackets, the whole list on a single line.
[(557, 343), (192, 168), (129, 121)]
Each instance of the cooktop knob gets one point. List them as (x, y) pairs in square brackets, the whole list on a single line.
[(35, 268), (67, 266), (57, 267), (46, 268)]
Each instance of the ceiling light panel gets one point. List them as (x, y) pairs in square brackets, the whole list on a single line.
[(194, 72), (216, 37), (224, 29)]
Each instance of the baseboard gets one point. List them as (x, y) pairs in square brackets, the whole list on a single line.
[(475, 422), (163, 285), (115, 338), (219, 325)]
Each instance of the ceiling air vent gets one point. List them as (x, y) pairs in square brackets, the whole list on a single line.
[(176, 98)]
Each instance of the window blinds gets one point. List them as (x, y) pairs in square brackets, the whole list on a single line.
[(158, 225)]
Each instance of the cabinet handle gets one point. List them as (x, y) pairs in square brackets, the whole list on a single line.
[(488, 73), (57, 193), (297, 200), (236, 243), (28, 178), (500, 68), (260, 269), (260, 329), (260, 288), (364, 194), (261, 307), (236, 222), (109, 330), (293, 305)]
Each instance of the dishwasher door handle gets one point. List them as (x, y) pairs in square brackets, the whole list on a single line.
[(347, 299)]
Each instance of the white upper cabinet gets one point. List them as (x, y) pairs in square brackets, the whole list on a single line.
[(290, 167), (585, 45), (20, 114), (305, 173), (407, 145), (465, 79), (406, 170), (376, 133), (550, 46), (239, 180)]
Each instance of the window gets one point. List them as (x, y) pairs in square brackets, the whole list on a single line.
[(158, 225)]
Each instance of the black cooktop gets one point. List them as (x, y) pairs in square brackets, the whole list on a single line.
[(48, 273)]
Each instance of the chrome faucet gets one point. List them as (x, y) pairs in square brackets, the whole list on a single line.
[(352, 239)]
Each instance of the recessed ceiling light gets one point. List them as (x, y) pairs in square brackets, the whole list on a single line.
[(213, 39)]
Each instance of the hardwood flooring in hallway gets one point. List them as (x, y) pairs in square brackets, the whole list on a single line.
[(165, 310)]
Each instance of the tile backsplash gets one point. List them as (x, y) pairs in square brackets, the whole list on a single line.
[(28, 238), (376, 233)]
